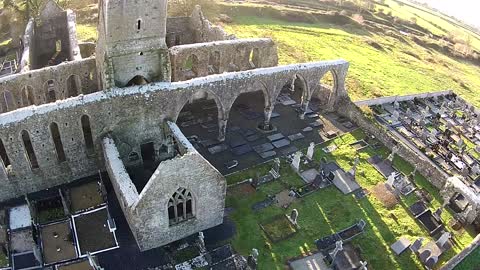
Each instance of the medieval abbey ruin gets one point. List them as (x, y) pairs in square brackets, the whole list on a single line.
[(122, 106)]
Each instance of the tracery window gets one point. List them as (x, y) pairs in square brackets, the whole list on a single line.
[(180, 206)]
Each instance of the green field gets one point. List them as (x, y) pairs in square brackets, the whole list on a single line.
[(399, 68), (328, 210)]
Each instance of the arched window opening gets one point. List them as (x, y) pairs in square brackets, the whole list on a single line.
[(9, 101), (50, 91), (3, 154), (139, 24), (191, 67), (58, 46), (27, 144), (214, 63), (57, 141), (137, 80), (180, 206), (28, 97), (74, 85), (87, 134), (254, 59)]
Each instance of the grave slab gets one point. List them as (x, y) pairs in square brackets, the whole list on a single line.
[(217, 149), (236, 140), (344, 182), (309, 175), (307, 129), (274, 115), (20, 217), (296, 137), (263, 148), (275, 137), (242, 150), (281, 143), (400, 246), (268, 154), (289, 150), (312, 262), (253, 138)]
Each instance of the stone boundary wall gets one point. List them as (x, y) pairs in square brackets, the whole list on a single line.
[(222, 56), (453, 262), (424, 166), (133, 116), (31, 88), (391, 99)]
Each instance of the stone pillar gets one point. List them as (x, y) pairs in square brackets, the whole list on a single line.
[(222, 129), (304, 109), (268, 115)]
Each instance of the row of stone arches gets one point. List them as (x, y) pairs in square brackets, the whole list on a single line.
[(258, 103), (50, 92), (58, 144)]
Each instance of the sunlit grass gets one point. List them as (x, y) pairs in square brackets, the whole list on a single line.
[(328, 210)]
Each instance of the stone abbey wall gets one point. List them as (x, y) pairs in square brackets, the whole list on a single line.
[(203, 59), (132, 116), (48, 84)]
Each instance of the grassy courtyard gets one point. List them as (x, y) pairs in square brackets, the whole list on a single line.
[(328, 210)]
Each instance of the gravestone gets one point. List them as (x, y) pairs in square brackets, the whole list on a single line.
[(276, 165), (417, 244), (296, 161), (338, 248), (424, 255), (443, 240), (395, 115), (310, 151), (391, 181), (392, 155), (201, 243), (252, 259), (294, 216), (353, 170)]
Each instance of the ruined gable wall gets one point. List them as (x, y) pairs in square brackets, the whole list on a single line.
[(179, 31), (223, 56)]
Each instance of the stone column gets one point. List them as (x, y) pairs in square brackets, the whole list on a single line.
[(304, 109), (222, 129), (266, 121)]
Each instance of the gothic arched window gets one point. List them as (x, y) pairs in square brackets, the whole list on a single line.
[(180, 206)]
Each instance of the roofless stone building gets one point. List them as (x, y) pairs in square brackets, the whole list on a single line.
[(73, 110)]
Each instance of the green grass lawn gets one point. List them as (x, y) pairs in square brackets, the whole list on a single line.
[(328, 210), (400, 68), (471, 262)]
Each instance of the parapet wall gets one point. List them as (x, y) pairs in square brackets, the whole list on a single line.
[(133, 116), (392, 99), (202, 59), (34, 87), (348, 109)]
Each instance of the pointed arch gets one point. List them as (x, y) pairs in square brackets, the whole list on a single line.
[(181, 206), (191, 67), (30, 152), (9, 101), (324, 94), (74, 86), (57, 142), (50, 89), (28, 96), (137, 80), (87, 134)]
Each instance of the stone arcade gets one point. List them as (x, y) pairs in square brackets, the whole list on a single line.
[(74, 109)]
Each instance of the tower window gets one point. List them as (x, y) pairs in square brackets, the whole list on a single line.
[(139, 24), (27, 144)]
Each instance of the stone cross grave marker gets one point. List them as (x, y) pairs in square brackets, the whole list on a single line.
[(392, 155), (338, 248), (395, 115), (296, 160), (310, 151), (201, 243)]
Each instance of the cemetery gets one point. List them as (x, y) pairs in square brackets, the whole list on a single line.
[(327, 217), (443, 129)]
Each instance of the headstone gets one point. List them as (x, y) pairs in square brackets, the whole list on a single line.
[(252, 259), (431, 261), (460, 143), (424, 255), (353, 170), (417, 244), (476, 169), (363, 266), (201, 243), (296, 160), (294, 216), (396, 105), (409, 112), (392, 155), (310, 151), (391, 180), (276, 165), (395, 115), (443, 240)]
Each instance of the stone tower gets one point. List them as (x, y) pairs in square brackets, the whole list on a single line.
[(131, 47)]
